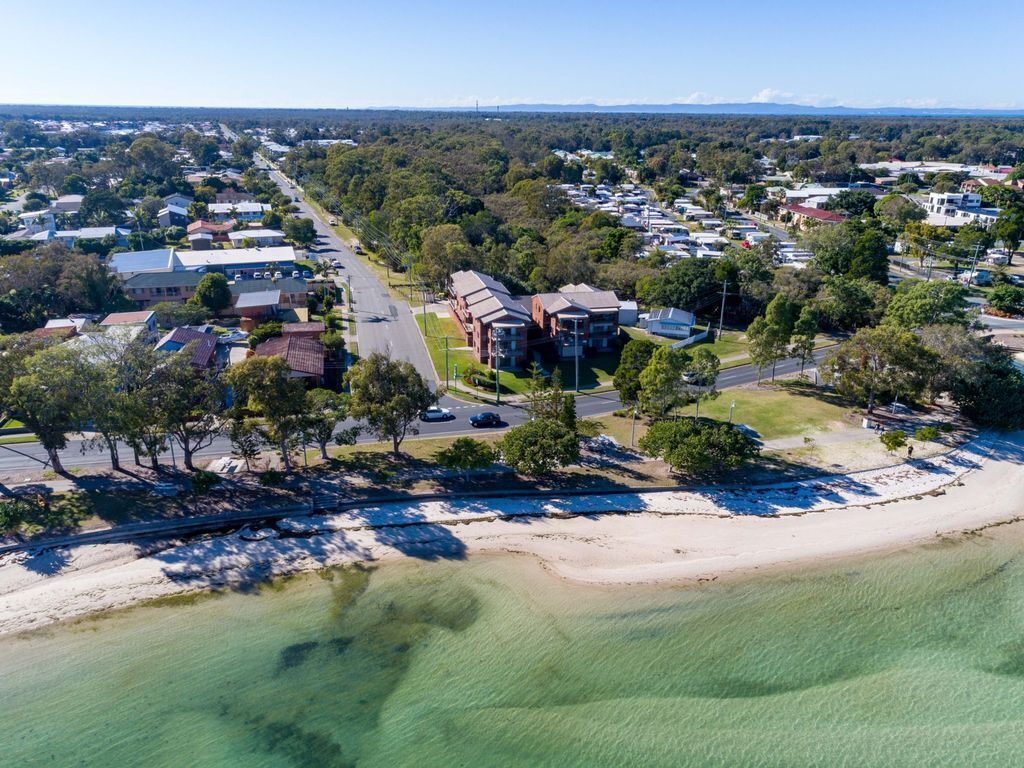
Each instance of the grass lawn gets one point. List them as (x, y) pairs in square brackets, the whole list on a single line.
[(16, 439), (12, 424), (784, 410), (434, 333)]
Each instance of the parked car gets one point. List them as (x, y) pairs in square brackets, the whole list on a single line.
[(336, 264), (268, 276), (307, 274), (232, 336), (436, 413), (278, 275), (485, 419), (258, 276), (333, 221), (296, 273), (359, 249), (238, 278)]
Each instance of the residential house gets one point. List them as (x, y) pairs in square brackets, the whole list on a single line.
[(672, 323), (178, 200), (203, 346), (232, 195), (255, 305), (219, 231), (69, 237), (148, 288), (801, 215), (173, 216), (494, 324), (954, 209), (309, 330), (200, 241), (305, 357), (291, 291), (136, 262), (247, 211), (240, 261), (143, 319), (67, 204), (578, 320), (260, 237), (34, 222)]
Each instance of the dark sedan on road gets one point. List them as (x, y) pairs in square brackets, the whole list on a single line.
[(485, 419)]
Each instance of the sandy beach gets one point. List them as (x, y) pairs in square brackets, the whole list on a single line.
[(611, 539)]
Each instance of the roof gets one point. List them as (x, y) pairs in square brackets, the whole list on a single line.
[(173, 209), (177, 194), (280, 254), (49, 332), (161, 259), (814, 213), (311, 327), (265, 298), (204, 345), (304, 356), (469, 281), (589, 300), (672, 315), (285, 285), (210, 226), (242, 234), (176, 279), (245, 206), (127, 318)]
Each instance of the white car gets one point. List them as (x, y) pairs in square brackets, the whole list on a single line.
[(436, 413), (278, 275), (232, 336), (336, 264), (334, 222)]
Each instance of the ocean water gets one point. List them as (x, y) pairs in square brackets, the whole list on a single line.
[(911, 659)]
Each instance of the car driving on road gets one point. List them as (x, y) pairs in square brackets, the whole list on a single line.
[(436, 413), (485, 419)]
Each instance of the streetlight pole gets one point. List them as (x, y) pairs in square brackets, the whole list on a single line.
[(446, 362), (732, 407), (576, 351), (632, 429)]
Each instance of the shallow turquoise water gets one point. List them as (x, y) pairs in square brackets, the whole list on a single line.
[(908, 660)]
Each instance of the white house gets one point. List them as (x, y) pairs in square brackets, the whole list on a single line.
[(954, 209), (260, 237), (672, 323), (178, 199), (37, 221), (246, 211)]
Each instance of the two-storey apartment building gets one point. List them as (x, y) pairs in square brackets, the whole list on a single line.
[(494, 323), (578, 320)]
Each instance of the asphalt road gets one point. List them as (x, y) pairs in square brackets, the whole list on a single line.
[(383, 324)]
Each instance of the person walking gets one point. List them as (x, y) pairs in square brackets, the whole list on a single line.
[(910, 451)]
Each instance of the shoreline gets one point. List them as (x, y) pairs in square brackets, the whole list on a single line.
[(613, 540)]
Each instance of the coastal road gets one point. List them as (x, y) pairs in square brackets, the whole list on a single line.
[(78, 453), (383, 323)]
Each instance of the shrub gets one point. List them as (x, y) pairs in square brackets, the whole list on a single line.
[(925, 434), (271, 478), (893, 440), (699, 446), (203, 481), (13, 513)]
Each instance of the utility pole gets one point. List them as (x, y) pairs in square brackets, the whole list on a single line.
[(632, 429), (497, 367), (576, 356), (446, 362), (721, 314), (974, 263)]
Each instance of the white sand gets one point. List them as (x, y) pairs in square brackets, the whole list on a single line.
[(665, 537)]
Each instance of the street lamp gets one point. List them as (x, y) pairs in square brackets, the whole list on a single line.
[(732, 407)]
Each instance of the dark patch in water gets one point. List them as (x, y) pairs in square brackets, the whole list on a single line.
[(300, 747), (294, 655), (340, 644)]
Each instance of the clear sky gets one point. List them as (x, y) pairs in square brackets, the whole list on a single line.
[(337, 53)]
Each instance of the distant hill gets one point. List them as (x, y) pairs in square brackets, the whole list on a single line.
[(762, 108)]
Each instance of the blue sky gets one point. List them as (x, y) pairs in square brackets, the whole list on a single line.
[(318, 53)]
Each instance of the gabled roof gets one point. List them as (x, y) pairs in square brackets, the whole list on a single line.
[(127, 318), (204, 345), (304, 356), (814, 213), (587, 301), (264, 298), (159, 260), (173, 209), (672, 315), (314, 326), (242, 234), (468, 281), (210, 226)]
